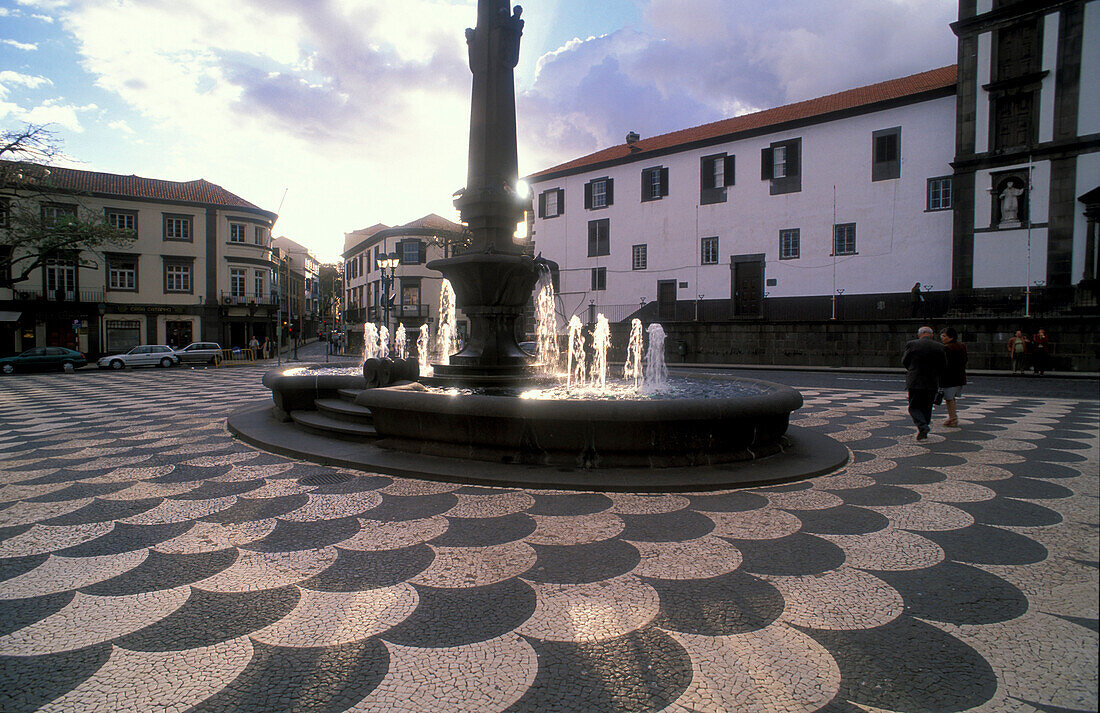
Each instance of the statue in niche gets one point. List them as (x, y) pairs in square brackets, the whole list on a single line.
[(1010, 204)]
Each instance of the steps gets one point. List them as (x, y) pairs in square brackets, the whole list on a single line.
[(338, 418)]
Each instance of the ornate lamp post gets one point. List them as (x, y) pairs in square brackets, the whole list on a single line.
[(388, 261)]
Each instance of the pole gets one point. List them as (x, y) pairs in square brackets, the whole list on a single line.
[(1027, 286), (834, 254)]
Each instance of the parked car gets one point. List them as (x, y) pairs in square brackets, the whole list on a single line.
[(43, 359), (200, 353), (531, 348), (143, 355)]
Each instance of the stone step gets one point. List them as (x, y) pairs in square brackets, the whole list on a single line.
[(318, 422), (348, 394), (344, 410)]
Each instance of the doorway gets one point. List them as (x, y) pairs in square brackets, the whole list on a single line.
[(748, 285), (666, 300)]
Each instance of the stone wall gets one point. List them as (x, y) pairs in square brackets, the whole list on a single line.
[(866, 343)]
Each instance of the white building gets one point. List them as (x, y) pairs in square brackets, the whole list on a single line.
[(301, 293), (768, 213), (408, 295)]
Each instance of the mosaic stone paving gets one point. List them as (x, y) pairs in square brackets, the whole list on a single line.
[(150, 562)]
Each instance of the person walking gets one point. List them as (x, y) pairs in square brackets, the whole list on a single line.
[(925, 361), (1017, 351), (254, 346), (1041, 351), (954, 378)]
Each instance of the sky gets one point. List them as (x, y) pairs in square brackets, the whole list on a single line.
[(340, 114)]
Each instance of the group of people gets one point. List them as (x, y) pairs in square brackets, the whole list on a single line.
[(935, 370), (1035, 351)]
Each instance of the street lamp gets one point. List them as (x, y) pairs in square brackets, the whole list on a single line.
[(387, 261)]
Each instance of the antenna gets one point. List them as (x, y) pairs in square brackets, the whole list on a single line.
[(280, 208)]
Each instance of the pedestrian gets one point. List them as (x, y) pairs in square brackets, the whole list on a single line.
[(266, 348), (916, 300), (1017, 351), (1041, 351), (955, 377), (925, 361), (254, 345)]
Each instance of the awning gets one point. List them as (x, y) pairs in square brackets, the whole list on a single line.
[(10, 316)]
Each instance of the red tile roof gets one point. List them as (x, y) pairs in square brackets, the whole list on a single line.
[(111, 184), (895, 89)]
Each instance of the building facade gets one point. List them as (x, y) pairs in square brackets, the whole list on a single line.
[(1027, 161), (200, 267), (767, 214), (302, 292), (407, 294), (977, 184)]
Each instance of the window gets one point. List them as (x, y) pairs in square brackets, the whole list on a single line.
[(599, 239), (5, 265), (789, 244), (61, 278), (599, 278), (236, 281), (1014, 121), (552, 203), (599, 193), (236, 232), (716, 172), (939, 193), (654, 183), (5, 213), (121, 273), (177, 277), (122, 219), (258, 282), (259, 236), (708, 251), (639, 259), (410, 295), (781, 164), (886, 150), (844, 239), (410, 252), (177, 227), (56, 214)]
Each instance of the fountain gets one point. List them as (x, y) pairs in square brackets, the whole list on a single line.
[(400, 347), (479, 402)]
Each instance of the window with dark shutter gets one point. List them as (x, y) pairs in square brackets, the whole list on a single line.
[(599, 278), (551, 203), (599, 242), (599, 193), (781, 164), (886, 154), (654, 183), (715, 173)]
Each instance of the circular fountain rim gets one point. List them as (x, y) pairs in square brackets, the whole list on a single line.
[(805, 454)]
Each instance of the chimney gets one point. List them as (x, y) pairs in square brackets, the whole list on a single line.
[(632, 140)]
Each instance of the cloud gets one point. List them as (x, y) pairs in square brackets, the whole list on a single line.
[(26, 46), (10, 79), (121, 126), (721, 59), (44, 18)]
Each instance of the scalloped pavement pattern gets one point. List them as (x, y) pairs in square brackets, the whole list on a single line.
[(151, 562)]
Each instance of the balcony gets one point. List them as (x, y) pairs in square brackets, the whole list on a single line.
[(246, 299), (37, 294)]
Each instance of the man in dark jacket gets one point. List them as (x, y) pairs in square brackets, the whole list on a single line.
[(926, 361)]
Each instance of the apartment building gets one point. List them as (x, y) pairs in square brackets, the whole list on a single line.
[(200, 265)]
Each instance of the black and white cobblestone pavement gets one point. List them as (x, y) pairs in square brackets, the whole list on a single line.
[(150, 562)]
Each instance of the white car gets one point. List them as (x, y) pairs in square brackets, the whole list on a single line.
[(144, 355)]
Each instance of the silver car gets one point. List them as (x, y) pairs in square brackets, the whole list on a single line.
[(143, 355), (200, 353)]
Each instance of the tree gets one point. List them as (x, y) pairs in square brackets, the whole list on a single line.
[(332, 289), (32, 231)]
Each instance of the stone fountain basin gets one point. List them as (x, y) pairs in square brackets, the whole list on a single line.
[(296, 388), (654, 432)]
